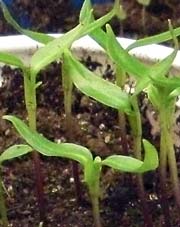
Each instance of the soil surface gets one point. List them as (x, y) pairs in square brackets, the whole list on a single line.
[(94, 126)]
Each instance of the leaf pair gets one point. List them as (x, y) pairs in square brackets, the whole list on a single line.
[(82, 154)]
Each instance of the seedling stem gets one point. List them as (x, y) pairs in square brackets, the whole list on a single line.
[(3, 210), (30, 101)]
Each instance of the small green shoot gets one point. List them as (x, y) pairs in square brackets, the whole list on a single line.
[(30, 87), (92, 168)]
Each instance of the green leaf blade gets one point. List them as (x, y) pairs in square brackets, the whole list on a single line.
[(11, 59), (54, 49), (85, 16), (15, 151), (162, 37), (48, 148), (133, 165), (123, 163), (151, 160), (121, 57), (96, 87)]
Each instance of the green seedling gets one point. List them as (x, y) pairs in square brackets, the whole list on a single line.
[(30, 87), (54, 48), (10, 153), (110, 95), (163, 93), (113, 96), (155, 71), (92, 167), (101, 90), (144, 4), (142, 73), (132, 66), (121, 16)]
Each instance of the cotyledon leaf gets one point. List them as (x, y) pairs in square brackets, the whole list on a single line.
[(85, 17), (40, 37), (153, 95), (159, 38), (54, 49), (120, 56), (172, 83), (94, 86), (11, 59), (133, 165), (48, 148), (151, 160), (132, 65), (123, 163), (15, 151)]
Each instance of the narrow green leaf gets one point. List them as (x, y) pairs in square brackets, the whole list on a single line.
[(40, 37), (133, 165), (98, 34), (14, 152), (134, 67), (100, 37), (54, 49), (94, 86), (175, 93), (11, 59), (151, 160), (153, 96), (171, 83), (120, 56), (161, 68), (162, 37), (141, 84), (48, 148), (123, 163), (85, 16)]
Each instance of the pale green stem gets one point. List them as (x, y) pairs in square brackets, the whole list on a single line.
[(31, 106), (3, 210), (67, 87), (167, 118), (120, 81), (94, 191), (173, 170), (135, 123), (163, 167)]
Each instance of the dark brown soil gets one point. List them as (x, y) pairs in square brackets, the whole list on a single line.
[(95, 126)]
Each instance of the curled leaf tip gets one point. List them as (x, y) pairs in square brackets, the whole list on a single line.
[(6, 117)]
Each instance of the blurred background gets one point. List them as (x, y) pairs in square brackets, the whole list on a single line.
[(62, 15)]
